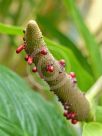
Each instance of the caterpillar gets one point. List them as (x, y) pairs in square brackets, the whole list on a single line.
[(64, 85)]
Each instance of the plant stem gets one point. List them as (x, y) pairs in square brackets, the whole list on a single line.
[(95, 91)]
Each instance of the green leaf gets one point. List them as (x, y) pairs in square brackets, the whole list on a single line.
[(65, 41), (7, 128), (89, 39), (12, 30), (24, 112), (99, 114), (72, 64), (92, 129), (5, 5)]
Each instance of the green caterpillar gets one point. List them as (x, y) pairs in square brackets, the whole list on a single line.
[(77, 107)]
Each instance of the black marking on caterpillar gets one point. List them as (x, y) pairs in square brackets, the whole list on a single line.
[(79, 107)]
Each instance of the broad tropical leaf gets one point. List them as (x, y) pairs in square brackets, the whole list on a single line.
[(24, 112)]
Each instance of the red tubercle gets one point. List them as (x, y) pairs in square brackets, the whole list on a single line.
[(50, 68), (72, 74), (30, 60), (74, 121), (34, 69), (69, 115), (65, 114), (43, 51), (26, 57), (62, 62), (20, 48), (73, 114)]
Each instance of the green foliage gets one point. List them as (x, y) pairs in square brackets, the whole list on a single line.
[(12, 30), (89, 39), (8, 128), (24, 112), (92, 129), (99, 114)]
